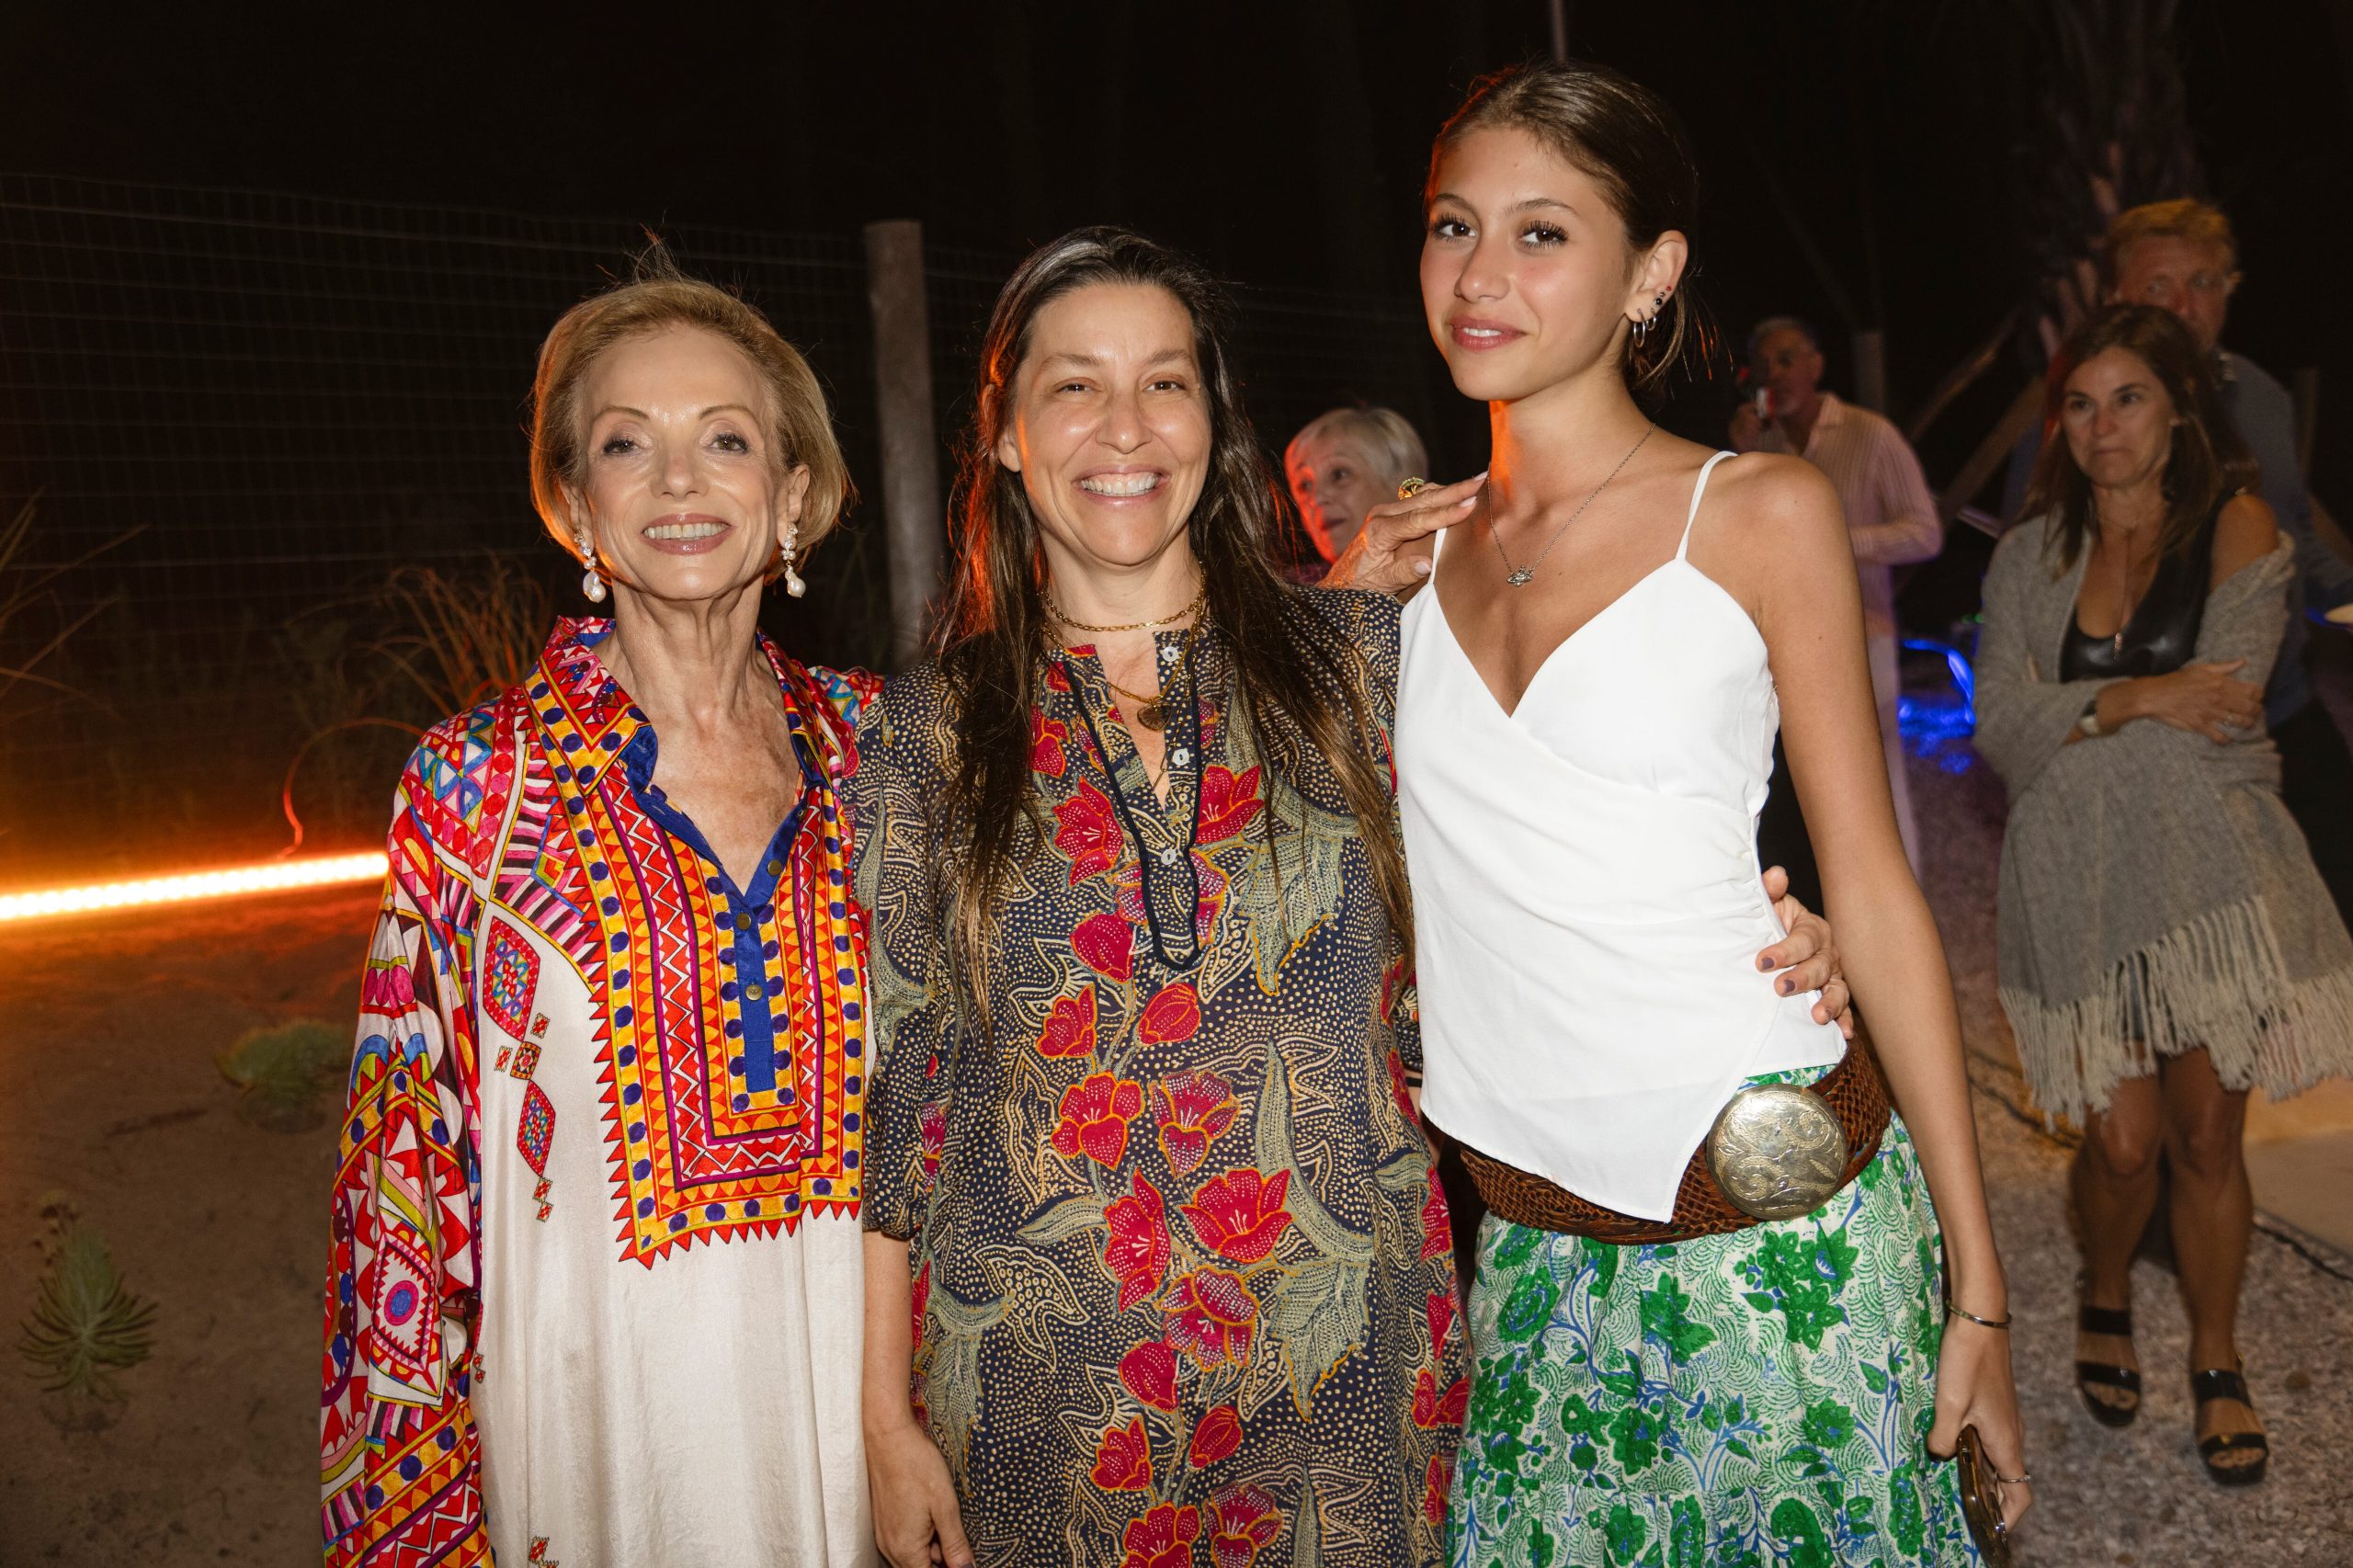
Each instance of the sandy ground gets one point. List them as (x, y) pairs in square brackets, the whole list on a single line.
[(111, 1099)]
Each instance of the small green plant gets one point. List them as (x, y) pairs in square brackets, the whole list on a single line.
[(280, 1073), (85, 1325)]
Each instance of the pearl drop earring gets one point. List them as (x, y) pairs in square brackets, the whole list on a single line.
[(591, 584), (793, 583)]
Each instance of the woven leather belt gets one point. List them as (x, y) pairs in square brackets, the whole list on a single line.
[(1854, 1090)]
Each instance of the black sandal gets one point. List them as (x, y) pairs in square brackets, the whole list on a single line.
[(2229, 1382), (2116, 1323)]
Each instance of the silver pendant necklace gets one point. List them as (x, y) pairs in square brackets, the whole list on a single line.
[(1519, 576)]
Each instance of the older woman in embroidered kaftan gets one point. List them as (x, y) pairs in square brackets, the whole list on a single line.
[(595, 1277)]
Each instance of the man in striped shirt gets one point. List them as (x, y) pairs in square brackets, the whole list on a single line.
[(1890, 515)]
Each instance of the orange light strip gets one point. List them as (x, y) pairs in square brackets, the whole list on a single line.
[(270, 876)]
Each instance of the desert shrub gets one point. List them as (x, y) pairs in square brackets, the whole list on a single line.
[(282, 1073), (85, 1325)]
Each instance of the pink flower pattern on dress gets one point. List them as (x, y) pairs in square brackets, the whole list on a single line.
[(1211, 1316), (1095, 1117), (1192, 1109), (1215, 963), (1239, 1215)]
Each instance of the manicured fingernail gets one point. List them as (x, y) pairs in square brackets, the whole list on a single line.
[(1466, 500), (1421, 568), (1764, 963), (1785, 985)]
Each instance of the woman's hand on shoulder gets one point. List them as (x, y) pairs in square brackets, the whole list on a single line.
[(2245, 531), (1392, 553)]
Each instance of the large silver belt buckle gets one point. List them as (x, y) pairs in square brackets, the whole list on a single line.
[(1777, 1151)]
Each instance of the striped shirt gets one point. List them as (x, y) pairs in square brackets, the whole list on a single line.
[(1890, 515)]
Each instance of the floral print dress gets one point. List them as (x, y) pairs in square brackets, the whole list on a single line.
[(1755, 1400), (1183, 1285)]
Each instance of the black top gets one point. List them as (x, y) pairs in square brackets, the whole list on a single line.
[(2162, 632)]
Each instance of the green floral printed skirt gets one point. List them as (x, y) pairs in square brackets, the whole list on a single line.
[(1758, 1400)]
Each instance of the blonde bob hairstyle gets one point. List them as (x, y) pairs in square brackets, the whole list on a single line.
[(657, 298)]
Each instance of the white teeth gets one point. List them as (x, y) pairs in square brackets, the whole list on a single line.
[(1121, 484), (684, 530), (1480, 332)]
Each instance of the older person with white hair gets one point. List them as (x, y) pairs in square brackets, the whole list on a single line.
[(1341, 465)]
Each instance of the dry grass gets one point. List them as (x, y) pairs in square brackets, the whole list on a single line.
[(26, 589), (476, 633)]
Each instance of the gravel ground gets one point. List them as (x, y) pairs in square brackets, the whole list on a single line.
[(2138, 1496)]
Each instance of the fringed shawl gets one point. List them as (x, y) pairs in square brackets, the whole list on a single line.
[(2156, 895)]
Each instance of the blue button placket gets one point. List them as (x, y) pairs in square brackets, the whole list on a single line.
[(748, 914)]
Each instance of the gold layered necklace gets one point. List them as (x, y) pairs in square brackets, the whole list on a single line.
[(1145, 708)]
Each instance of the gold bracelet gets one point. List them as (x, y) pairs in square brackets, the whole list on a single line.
[(1954, 1311)]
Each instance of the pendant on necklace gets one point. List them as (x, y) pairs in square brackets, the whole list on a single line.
[(1519, 579), (1151, 717)]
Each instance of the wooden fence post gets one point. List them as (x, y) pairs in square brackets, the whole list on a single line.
[(915, 527), (1871, 369)]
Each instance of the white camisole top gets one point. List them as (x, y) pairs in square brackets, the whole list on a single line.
[(1587, 904)]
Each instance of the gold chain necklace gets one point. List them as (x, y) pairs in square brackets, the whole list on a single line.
[(1149, 710), (1193, 611), (1518, 576)]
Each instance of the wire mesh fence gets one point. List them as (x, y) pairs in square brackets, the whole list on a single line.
[(251, 419)]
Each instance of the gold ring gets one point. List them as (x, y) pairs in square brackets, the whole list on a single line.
[(1412, 487)]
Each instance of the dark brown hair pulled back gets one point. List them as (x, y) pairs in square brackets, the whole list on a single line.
[(2207, 464), (1301, 688), (1623, 137)]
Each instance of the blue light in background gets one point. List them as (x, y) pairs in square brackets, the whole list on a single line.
[(1930, 722)]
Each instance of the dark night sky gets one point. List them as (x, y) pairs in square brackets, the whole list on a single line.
[(1283, 141)]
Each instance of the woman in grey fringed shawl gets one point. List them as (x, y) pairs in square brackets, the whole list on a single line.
[(2165, 943)]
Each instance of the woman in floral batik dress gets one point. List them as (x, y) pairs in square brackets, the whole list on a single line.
[(1182, 1284)]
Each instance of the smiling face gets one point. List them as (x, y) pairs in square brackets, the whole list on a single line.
[(1336, 482), (686, 496), (1527, 278), (1108, 426), (2191, 277), (2118, 419)]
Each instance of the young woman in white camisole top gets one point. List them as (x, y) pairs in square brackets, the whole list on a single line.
[(1593, 676)]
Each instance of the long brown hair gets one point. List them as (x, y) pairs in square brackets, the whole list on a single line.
[(1302, 690), (1625, 138), (2206, 464)]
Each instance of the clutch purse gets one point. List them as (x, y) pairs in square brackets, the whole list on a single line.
[(1980, 1502)]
